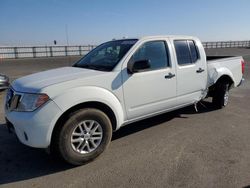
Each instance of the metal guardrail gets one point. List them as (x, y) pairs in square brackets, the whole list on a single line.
[(43, 51), (56, 51), (227, 44)]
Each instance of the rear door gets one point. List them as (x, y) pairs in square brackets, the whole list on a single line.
[(191, 71)]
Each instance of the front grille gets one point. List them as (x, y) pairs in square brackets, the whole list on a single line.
[(12, 99)]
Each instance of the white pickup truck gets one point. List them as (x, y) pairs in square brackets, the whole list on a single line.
[(74, 110)]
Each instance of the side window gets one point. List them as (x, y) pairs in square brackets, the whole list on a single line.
[(155, 52), (186, 52), (193, 51), (182, 52)]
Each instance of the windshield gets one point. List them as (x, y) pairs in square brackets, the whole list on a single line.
[(106, 56)]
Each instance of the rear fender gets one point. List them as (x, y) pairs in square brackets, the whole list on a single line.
[(221, 72)]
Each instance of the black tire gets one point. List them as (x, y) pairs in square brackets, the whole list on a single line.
[(219, 97), (62, 145)]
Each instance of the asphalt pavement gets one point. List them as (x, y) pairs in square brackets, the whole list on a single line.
[(184, 148)]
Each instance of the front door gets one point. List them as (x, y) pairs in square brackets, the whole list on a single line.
[(153, 90)]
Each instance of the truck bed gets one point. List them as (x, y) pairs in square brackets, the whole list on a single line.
[(209, 58), (229, 64)]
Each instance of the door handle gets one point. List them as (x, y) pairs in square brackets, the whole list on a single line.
[(200, 70), (169, 76)]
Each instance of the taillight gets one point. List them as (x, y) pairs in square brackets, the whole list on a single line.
[(242, 66)]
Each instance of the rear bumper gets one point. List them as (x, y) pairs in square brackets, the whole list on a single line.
[(241, 82)]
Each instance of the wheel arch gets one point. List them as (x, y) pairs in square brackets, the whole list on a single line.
[(91, 104), (88, 97), (226, 79), (222, 79), (223, 74)]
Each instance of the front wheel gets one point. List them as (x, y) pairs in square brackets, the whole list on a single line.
[(84, 136), (221, 95)]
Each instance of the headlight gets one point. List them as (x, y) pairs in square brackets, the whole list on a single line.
[(30, 102)]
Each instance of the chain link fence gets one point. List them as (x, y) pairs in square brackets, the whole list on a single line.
[(56, 51)]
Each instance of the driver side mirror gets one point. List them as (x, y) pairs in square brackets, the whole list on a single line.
[(138, 66)]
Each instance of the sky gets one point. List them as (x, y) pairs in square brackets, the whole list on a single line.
[(40, 22)]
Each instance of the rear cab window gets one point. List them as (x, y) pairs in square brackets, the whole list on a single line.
[(186, 52)]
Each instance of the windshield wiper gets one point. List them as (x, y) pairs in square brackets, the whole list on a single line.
[(87, 66), (94, 67)]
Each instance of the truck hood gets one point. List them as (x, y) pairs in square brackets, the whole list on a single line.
[(34, 83)]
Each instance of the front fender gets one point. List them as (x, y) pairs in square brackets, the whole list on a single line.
[(75, 96)]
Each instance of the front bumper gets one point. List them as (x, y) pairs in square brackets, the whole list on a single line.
[(34, 128)]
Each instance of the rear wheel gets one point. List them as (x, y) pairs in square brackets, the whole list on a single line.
[(221, 95), (84, 136)]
